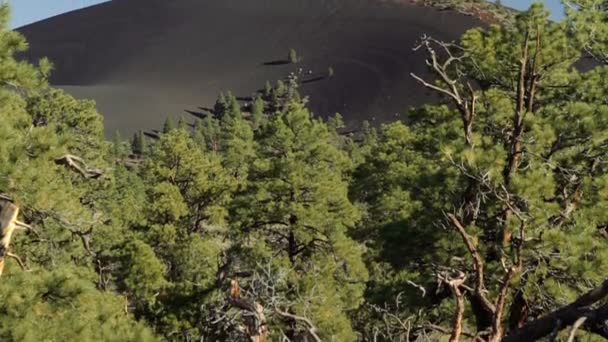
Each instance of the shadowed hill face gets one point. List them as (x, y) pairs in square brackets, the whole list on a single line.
[(145, 59)]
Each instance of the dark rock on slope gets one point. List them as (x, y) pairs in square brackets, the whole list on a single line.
[(142, 60)]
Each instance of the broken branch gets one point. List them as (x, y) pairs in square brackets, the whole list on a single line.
[(8, 224), (477, 264), (77, 164), (310, 327)]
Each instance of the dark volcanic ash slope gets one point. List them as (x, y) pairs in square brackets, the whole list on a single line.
[(142, 60)]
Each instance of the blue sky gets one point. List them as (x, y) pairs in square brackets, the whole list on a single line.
[(29, 11), (555, 6)]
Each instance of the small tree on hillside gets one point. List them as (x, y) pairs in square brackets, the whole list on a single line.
[(182, 124), (138, 143), (257, 111), (293, 56), (169, 125)]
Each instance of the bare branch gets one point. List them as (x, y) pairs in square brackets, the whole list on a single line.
[(419, 287), (575, 327), (256, 327), (267, 286), (457, 321), (18, 259), (390, 315), (8, 219), (451, 84), (455, 97), (310, 327), (78, 165), (477, 263)]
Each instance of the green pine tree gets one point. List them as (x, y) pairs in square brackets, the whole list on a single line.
[(295, 215), (169, 125), (510, 174), (138, 143), (258, 112), (182, 124)]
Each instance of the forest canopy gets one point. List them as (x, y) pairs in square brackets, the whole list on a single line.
[(483, 218)]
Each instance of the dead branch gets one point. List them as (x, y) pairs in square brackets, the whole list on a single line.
[(8, 225), (419, 287), (266, 286), (459, 295), (256, 327), (75, 228), (575, 327), (390, 315), (18, 259), (77, 164), (466, 104), (310, 327), (478, 266)]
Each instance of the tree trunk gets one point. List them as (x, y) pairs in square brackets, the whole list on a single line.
[(8, 224)]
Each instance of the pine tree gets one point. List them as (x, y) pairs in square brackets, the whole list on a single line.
[(182, 124), (587, 22), (220, 107), (508, 171), (118, 148), (53, 161), (257, 112), (475, 219), (138, 143), (267, 91), (236, 139), (186, 193), (169, 125), (211, 131), (295, 208), (64, 305), (198, 134)]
